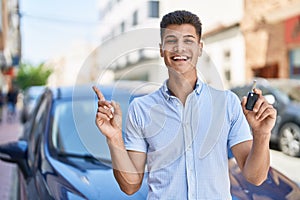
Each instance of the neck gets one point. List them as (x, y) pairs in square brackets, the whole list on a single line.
[(181, 86)]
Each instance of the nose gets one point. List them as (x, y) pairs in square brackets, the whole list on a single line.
[(179, 47)]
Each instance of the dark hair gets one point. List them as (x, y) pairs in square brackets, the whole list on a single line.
[(181, 17)]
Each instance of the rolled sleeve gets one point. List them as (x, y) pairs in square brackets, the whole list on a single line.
[(134, 137)]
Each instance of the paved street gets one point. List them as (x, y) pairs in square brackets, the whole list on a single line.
[(8, 132)]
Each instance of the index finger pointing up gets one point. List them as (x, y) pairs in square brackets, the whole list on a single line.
[(98, 93)]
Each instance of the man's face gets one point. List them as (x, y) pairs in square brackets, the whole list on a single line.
[(180, 47)]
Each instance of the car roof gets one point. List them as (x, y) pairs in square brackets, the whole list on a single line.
[(135, 88), (35, 90)]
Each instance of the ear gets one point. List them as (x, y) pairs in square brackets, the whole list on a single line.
[(161, 51), (200, 49)]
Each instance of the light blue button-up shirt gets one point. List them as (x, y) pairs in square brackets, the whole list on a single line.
[(186, 145)]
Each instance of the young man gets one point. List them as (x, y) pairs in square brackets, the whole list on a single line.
[(183, 130)]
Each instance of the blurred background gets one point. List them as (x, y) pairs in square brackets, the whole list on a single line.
[(244, 39), (68, 42)]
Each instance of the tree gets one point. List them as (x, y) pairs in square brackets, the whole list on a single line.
[(29, 75)]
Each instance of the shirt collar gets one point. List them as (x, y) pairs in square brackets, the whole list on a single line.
[(167, 94)]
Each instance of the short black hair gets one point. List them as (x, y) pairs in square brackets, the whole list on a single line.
[(181, 17)]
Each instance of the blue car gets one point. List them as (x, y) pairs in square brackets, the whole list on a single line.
[(62, 155)]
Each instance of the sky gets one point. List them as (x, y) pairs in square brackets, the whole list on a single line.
[(49, 27)]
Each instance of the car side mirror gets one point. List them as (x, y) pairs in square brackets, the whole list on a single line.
[(270, 99), (16, 152)]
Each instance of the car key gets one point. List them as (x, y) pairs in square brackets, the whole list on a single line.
[(251, 98)]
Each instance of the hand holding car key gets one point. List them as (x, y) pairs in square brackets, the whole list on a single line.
[(251, 98)]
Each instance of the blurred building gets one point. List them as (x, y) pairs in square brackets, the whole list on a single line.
[(10, 41), (125, 50), (272, 38), (132, 56), (74, 67), (225, 45)]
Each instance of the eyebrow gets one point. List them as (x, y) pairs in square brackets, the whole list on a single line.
[(185, 36), (170, 36), (189, 36)]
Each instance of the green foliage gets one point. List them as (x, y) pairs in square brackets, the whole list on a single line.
[(29, 75)]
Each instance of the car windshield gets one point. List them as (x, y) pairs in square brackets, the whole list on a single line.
[(74, 131), (292, 92)]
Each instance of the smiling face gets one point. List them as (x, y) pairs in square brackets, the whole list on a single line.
[(180, 48)]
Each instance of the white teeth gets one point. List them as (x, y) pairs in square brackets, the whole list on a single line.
[(180, 58)]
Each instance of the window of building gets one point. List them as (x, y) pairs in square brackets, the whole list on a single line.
[(227, 64), (135, 18), (227, 74), (227, 55), (122, 27), (295, 63), (153, 9)]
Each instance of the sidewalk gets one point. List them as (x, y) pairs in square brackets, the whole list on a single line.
[(9, 131)]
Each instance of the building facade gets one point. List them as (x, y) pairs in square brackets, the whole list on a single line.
[(129, 33), (10, 41), (226, 48), (272, 38)]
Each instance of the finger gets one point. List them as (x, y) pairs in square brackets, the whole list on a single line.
[(258, 104), (104, 104), (268, 112), (98, 93), (243, 103), (101, 117), (264, 106), (105, 110), (117, 107)]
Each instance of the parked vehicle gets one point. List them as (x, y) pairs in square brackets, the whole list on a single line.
[(62, 155), (286, 133), (30, 97), (289, 86)]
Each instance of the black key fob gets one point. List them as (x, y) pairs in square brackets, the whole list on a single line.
[(251, 100)]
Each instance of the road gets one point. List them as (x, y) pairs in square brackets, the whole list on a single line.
[(9, 131), (287, 165)]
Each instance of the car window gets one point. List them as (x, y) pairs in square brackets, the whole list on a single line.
[(74, 130), (76, 133)]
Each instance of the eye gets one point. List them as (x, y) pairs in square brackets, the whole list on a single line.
[(188, 41), (172, 41)]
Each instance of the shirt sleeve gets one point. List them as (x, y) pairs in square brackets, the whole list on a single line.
[(134, 137), (239, 127)]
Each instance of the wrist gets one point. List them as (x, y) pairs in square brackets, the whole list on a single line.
[(261, 136), (116, 140)]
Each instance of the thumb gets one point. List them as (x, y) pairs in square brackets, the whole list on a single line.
[(117, 108), (243, 103), (117, 120)]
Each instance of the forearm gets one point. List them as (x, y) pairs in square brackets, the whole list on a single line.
[(126, 173), (258, 161)]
